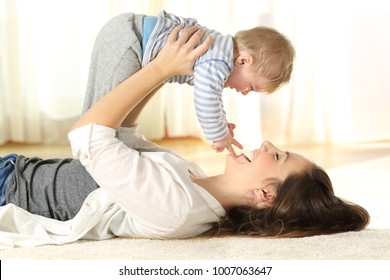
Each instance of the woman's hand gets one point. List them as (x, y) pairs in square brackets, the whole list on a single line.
[(178, 55)]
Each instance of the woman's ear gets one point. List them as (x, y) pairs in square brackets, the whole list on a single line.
[(270, 197), (243, 59), (265, 196)]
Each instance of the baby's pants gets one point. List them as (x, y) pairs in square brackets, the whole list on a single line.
[(117, 54)]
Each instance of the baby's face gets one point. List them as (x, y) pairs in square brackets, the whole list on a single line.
[(244, 79)]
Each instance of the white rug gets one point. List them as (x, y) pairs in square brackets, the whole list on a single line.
[(364, 245), (366, 183)]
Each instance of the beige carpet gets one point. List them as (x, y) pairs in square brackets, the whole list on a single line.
[(367, 244), (367, 183)]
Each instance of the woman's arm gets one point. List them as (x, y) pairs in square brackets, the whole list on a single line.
[(175, 58), (132, 118)]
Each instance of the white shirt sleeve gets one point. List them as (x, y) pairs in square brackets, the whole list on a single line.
[(135, 140), (146, 189)]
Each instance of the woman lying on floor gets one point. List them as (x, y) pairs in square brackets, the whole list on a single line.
[(123, 185)]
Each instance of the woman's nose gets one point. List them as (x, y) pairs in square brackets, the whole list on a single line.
[(264, 146), (246, 91), (268, 146)]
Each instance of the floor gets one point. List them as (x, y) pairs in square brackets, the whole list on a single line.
[(199, 151)]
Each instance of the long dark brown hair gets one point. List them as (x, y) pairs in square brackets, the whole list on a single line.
[(305, 205)]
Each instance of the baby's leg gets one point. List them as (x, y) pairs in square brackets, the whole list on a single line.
[(117, 54)]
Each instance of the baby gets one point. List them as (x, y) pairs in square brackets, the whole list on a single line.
[(258, 59)]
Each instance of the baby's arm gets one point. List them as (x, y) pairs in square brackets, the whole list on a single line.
[(227, 141), (209, 77)]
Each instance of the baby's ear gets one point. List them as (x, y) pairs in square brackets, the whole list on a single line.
[(244, 59)]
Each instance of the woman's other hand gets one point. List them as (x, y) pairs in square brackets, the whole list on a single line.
[(178, 55)]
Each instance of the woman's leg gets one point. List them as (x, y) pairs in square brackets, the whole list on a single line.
[(7, 165), (117, 54)]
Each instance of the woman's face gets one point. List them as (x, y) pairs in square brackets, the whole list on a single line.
[(266, 164)]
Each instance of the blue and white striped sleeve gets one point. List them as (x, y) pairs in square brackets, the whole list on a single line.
[(209, 79)]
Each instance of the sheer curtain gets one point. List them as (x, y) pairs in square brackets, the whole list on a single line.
[(45, 50), (339, 90)]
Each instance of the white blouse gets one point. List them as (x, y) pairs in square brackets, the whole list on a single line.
[(145, 192)]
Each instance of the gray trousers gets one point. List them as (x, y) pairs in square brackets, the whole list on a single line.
[(117, 54)]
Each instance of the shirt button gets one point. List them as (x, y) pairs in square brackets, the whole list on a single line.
[(86, 156)]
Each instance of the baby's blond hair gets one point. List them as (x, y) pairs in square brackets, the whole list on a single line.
[(272, 52)]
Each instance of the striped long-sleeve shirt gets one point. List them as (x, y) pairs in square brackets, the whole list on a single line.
[(211, 71)]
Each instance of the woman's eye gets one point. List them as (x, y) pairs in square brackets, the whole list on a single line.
[(276, 156)]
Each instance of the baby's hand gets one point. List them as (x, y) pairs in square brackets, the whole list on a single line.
[(227, 142)]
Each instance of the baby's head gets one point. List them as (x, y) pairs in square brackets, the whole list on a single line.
[(272, 55)]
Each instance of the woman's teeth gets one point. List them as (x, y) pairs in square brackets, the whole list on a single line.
[(251, 153), (247, 158)]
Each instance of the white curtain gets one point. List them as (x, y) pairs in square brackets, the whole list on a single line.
[(45, 48), (339, 90)]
